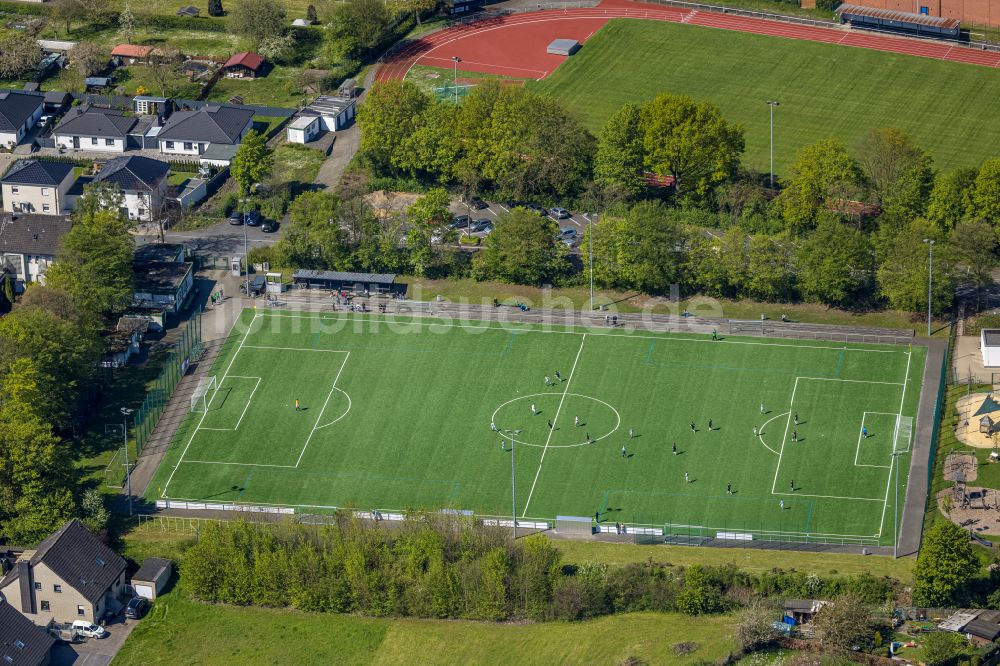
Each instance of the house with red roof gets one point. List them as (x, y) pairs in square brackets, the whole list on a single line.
[(245, 65), (129, 54)]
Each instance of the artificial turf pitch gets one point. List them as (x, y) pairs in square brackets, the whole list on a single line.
[(396, 415), (825, 90)]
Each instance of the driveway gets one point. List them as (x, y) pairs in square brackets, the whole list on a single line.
[(93, 651), (221, 239)]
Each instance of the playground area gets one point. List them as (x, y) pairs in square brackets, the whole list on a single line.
[(979, 420)]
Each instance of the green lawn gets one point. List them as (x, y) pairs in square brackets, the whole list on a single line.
[(825, 90), (296, 163), (396, 416), (279, 88), (431, 78)]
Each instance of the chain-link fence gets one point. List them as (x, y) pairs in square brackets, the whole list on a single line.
[(187, 349)]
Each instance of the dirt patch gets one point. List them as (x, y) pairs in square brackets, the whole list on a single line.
[(967, 430), (972, 516), (387, 204), (961, 466)]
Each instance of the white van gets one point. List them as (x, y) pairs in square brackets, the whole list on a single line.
[(89, 629)]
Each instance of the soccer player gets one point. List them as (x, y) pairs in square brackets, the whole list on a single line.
[(550, 424), (781, 504), (796, 417), (675, 448), (533, 412), (298, 407), (761, 408), (503, 444), (493, 426), (576, 421), (624, 452), (710, 425), (715, 334), (693, 429), (755, 431), (588, 438), (547, 380), (729, 489), (687, 479), (795, 435), (864, 431), (631, 433), (791, 486), (558, 376)]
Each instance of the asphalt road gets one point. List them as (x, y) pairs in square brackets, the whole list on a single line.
[(222, 238)]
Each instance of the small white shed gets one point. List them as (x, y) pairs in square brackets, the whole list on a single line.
[(152, 577), (303, 129), (335, 113), (989, 342)]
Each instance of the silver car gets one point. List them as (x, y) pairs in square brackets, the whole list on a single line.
[(559, 213)]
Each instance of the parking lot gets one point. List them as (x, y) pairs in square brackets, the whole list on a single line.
[(576, 221)]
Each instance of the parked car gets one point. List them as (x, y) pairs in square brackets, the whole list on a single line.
[(64, 632), (269, 226), (460, 222), (137, 608), (44, 121), (253, 218), (89, 629), (567, 233), (538, 209), (559, 213), (481, 224), (236, 218), (476, 203)]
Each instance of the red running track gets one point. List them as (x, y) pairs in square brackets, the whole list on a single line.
[(515, 45)]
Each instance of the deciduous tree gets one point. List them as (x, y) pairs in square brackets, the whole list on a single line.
[(89, 58), (522, 249), (691, 142), (126, 25), (836, 264), (945, 566), (20, 55), (389, 116), (986, 196), (844, 624), (252, 163), (898, 172), (256, 19), (619, 160), (642, 250), (951, 198), (824, 176), (903, 275)]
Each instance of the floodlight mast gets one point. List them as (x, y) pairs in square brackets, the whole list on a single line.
[(513, 483)]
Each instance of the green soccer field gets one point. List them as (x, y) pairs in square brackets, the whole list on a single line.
[(397, 415), (825, 90)]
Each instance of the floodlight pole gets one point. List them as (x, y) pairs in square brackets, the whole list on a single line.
[(128, 473), (772, 104), (930, 281), (246, 243), (590, 221), (513, 484), (895, 505), (456, 60)]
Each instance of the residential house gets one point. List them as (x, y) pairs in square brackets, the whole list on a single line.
[(980, 626), (90, 128), (130, 54), (22, 642), (194, 132), (142, 181), (28, 244), (37, 186), (70, 576), (245, 65), (19, 111)]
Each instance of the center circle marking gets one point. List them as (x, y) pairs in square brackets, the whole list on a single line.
[(618, 419)]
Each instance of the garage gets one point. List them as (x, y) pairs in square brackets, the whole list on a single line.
[(152, 577)]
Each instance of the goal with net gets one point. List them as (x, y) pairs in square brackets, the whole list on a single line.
[(203, 394)]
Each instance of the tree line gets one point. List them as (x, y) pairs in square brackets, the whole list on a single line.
[(51, 343), (848, 226), (444, 567)]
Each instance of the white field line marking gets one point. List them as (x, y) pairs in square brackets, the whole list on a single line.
[(202, 420), (555, 419), (249, 400), (349, 405), (760, 432), (329, 351), (837, 497), (510, 327), (242, 464), (768, 532), (892, 459), (791, 405), (857, 449), (855, 381), (315, 427)]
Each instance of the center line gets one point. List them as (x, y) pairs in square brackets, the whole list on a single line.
[(555, 420)]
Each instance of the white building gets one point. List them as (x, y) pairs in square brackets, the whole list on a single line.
[(19, 111), (193, 132), (335, 113), (38, 186), (143, 184), (989, 342), (92, 129), (303, 129)]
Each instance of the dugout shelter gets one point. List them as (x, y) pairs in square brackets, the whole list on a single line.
[(355, 283), (874, 18)]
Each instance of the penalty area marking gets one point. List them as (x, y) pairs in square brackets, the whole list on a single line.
[(760, 432)]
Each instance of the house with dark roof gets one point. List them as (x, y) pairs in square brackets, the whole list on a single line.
[(22, 642), (245, 65), (142, 181), (90, 128), (38, 186), (71, 576), (28, 245), (163, 285), (19, 111), (193, 132)]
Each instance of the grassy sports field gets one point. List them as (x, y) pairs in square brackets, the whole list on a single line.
[(825, 90), (397, 415)]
